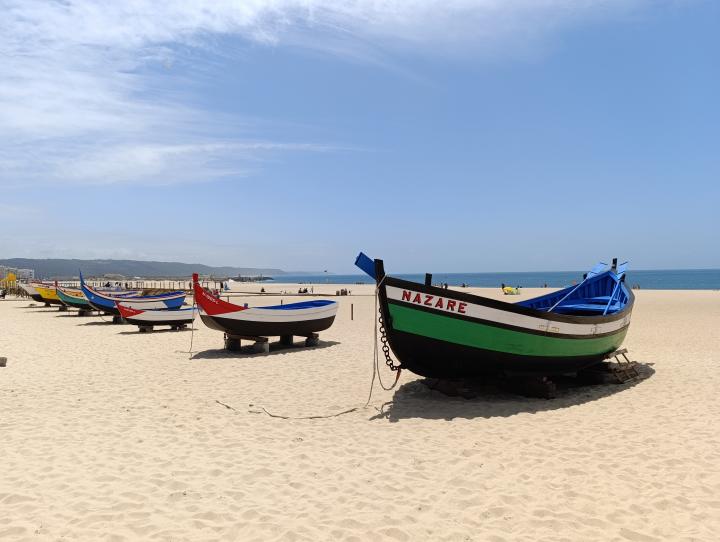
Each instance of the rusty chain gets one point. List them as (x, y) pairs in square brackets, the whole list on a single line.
[(385, 347)]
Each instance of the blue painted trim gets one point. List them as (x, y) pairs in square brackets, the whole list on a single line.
[(301, 305)]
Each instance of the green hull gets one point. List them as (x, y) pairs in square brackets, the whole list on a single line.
[(477, 335), (71, 301)]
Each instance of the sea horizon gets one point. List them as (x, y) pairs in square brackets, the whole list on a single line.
[(653, 279)]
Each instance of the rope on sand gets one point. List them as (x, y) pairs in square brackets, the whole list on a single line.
[(316, 417), (375, 376)]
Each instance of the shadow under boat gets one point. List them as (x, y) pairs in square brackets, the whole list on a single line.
[(248, 351), (492, 398), (155, 331), (106, 322)]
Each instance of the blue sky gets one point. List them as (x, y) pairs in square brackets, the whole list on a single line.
[(456, 135)]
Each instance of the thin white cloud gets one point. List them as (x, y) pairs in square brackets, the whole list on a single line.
[(75, 100), (148, 163)]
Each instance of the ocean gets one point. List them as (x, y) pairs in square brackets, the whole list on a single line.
[(670, 279)]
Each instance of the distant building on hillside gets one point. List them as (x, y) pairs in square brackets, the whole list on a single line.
[(25, 274), (20, 274)]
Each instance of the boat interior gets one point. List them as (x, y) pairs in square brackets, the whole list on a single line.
[(603, 292)]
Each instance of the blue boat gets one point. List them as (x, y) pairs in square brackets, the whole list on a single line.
[(106, 302)]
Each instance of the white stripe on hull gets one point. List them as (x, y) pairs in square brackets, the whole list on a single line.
[(112, 299), (159, 317), (505, 317), (280, 315), (143, 305)]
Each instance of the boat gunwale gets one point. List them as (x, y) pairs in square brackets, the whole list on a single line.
[(388, 280), (170, 296), (501, 325)]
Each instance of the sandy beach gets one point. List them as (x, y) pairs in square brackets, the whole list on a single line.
[(109, 434)]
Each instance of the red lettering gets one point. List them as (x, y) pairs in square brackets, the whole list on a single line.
[(439, 304), (406, 295), (461, 308), (451, 305), (417, 298), (428, 300)]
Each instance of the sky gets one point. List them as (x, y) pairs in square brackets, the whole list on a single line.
[(451, 135)]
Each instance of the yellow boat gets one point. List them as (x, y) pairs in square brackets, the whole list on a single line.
[(509, 290), (48, 294)]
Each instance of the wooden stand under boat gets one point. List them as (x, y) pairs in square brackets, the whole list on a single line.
[(145, 328), (619, 371), (611, 372), (261, 345)]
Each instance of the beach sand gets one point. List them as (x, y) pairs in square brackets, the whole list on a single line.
[(109, 434)]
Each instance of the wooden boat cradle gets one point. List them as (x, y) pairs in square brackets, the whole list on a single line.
[(608, 372), (147, 328), (262, 344), (620, 371)]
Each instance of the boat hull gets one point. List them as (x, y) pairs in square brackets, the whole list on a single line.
[(32, 292), (48, 294), (136, 303), (149, 318), (438, 358), (73, 301), (251, 328), (441, 333), (107, 303), (144, 323)]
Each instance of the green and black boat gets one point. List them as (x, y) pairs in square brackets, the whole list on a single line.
[(74, 298), (442, 333)]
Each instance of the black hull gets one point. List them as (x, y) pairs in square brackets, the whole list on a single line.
[(81, 306), (267, 329), (38, 298), (433, 358), (107, 310), (145, 323)]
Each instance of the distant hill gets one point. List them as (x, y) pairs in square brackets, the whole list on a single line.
[(65, 269)]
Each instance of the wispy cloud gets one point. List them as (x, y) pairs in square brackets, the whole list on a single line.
[(75, 92)]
